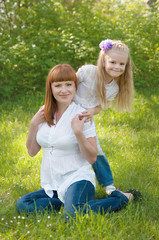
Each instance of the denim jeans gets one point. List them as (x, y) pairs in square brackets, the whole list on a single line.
[(38, 201), (112, 203), (102, 170), (79, 196), (76, 196)]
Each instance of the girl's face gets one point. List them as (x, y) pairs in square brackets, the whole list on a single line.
[(115, 63), (63, 92)]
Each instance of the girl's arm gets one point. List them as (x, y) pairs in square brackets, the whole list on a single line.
[(77, 75), (31, 143), (90, 112), (88, 146)]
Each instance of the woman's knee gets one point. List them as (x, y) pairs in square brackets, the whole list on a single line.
[(77, 195), (20, 205)]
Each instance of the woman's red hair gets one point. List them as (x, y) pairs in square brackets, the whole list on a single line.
[(59, 73)]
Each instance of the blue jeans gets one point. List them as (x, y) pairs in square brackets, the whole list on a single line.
[(112, 203), (76, 196), (102, 170), (38, 201), (79, 196)]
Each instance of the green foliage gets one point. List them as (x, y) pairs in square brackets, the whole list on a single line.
[(36, 35), (130, 142)]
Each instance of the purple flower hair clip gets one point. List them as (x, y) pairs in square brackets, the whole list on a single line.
[(106, 44)]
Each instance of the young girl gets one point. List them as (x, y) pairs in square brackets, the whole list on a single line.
[(110, 81), (69, 149)]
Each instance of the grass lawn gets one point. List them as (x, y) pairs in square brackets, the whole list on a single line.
[(131, 143)]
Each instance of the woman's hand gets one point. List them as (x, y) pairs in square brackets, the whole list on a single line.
[(31, 143), (39, 117), (87, 146), (77, 123)]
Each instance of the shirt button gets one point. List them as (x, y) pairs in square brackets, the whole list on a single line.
[(51, 150)]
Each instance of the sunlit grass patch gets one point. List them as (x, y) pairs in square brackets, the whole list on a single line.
[(130, 142)]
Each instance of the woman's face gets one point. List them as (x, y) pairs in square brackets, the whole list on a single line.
[(63, 92), (115, 63)]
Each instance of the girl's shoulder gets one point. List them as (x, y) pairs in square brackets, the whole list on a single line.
[(87, 72), (87, 68)]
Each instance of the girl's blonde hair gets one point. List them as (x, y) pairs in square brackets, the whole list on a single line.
[(125, 81), (59, 73)]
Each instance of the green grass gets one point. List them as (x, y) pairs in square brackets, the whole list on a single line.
[(130, 142)]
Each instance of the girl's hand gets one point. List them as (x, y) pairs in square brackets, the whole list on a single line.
[(88, 114), (39, 117), (77, 123)]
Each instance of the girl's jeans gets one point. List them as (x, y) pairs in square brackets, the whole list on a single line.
[(79, 196), (102, 168)]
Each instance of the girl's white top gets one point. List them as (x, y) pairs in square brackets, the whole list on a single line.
[(86, 91), (62, 162)]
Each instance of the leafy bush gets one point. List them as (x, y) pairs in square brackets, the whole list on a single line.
[(36, 35)]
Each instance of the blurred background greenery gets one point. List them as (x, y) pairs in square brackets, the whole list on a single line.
[(35, 35)]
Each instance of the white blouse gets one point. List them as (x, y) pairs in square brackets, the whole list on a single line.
[(62, 162), (86, 91)]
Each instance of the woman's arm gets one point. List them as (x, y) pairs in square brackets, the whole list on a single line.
[(31, 143), (88, 146)]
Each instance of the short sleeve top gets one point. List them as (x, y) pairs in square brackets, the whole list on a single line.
[(86, 91), (62, 162)]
